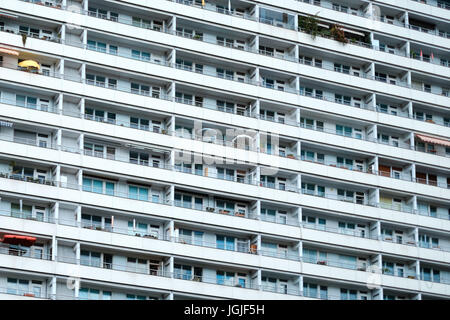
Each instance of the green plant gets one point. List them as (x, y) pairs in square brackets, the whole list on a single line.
[(309, 24), (24, 39), (338, 34)]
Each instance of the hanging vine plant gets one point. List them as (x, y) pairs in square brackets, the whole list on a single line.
[(24, 39), (338, 34)]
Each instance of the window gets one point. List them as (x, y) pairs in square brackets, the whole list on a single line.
[(182, 272), (140, 55), (310, 290), (98, 186), (135, 297), (225, 242), (224, 278), (348, 294), (183, 200), (89, 258), (138, 193)]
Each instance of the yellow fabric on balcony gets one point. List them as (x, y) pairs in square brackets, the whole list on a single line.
[(30, 63)]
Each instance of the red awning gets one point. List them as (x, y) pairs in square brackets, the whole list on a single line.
[(22, 240), (432, 140)]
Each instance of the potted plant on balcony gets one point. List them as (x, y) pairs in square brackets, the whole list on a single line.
[(338, 34), (310, 24), (290, 156), (24, 39)]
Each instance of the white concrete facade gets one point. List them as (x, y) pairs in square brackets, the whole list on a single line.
[(172, 149)]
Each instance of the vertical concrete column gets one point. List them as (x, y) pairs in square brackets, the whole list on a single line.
[(78, 213), (171, 266), (81, 141), (370, 10), (80, 179), (381, 294), (378, 229), (58, 175), (257, 12), (63, 33), (59, 139), (171, 129), (300, 284), (61, 68), (408, 78), (53, 291), (410, 110), (172, 231), (376, 165), (374, 101), (258, 243), (85, 5), (300, 250), (380, 261), (414, 205), (258, 141), (299, 216), (83, 72), (54, 248), (416, 236), (297, 49), (56, 211), (258, 178), (174, 25), (82, 106), (172, 195), (60, 103), (77, 253), (173, 61), (411, 141), (408, 49), (417, 269), (77, 289), (257, 77), (257, 108), (84, 37), (413, 172), (259, 279), (258, 209)]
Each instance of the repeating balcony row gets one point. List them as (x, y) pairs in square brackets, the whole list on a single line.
[(160, 198), (305, 155), (223, 42), (288, 183), (265, 246), (89, 257), (223, 207), (267, 81), (308, 92), (277, 19)]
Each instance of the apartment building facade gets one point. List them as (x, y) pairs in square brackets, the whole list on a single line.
[(225, 149)]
